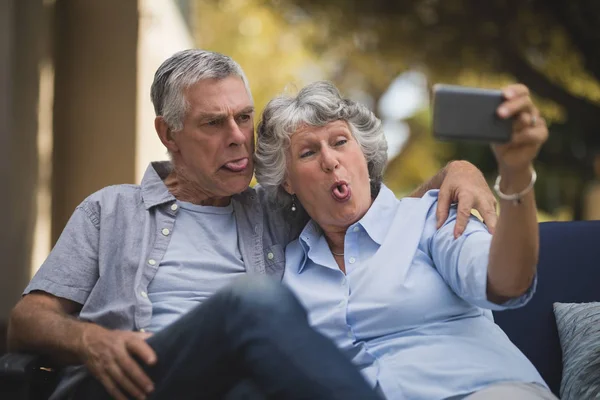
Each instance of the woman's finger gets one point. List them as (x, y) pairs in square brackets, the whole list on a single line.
[(514, 106), (526, 120), (515, 90)]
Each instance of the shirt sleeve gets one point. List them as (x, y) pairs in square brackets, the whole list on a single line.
[(463, 262), (71, 269)]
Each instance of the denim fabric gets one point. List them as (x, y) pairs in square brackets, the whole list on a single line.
[(252, 332)]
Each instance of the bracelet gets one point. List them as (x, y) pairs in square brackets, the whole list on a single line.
[(515, 198)]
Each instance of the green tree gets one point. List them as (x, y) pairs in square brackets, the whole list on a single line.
[(551, 46)]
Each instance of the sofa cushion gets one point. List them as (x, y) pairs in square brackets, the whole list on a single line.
[(579, 333)]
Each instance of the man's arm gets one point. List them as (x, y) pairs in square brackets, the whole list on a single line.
[(43, 323), (461, 182), (435, 182), (44, 320)]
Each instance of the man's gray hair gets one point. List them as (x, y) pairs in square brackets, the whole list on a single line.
[(182, 70), (315, 105)]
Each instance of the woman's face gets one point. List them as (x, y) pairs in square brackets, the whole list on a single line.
[(328, 172)]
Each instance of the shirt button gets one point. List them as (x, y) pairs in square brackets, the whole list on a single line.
[(174, 207), (356, 229), (166, 232), (270, 256), (152, 261), (142, 330), (144, 294), (352, 260)]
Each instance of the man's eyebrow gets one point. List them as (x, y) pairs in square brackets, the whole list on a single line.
[(205, 116), (247, 110)]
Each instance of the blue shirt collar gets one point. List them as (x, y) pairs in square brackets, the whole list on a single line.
[(376, 223)]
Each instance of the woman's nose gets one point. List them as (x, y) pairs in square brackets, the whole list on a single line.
[(329, 162)]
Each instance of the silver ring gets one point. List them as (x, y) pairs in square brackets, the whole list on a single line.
[(533, 120)]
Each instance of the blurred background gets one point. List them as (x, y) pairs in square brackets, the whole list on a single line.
[(75, 76)]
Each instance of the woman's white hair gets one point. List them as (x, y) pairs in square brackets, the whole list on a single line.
[(182, 70), (315, 105)]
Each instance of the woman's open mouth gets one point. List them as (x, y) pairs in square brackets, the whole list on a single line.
[(340, 191)]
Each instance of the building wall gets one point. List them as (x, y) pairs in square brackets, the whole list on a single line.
[(95, 100), (24, 45), (21, 52)]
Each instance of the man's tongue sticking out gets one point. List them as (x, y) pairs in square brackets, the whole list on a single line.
[(237, 165)]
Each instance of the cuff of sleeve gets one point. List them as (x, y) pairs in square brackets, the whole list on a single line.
[(77, 295), (514, 302)]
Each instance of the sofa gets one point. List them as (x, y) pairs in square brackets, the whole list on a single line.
[(568, 272)]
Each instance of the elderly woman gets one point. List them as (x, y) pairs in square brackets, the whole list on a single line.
[(407, 302)]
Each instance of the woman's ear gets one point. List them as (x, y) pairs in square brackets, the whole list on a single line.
[(287, 186), (165, 134)]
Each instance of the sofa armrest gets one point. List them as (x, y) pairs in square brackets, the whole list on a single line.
[(19, 365), (26, 377)]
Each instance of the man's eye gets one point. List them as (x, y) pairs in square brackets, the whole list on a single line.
[(244, 117), (307, 154), (213, 122)]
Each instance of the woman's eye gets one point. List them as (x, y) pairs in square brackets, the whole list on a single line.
[(341, 142), (306, 154)]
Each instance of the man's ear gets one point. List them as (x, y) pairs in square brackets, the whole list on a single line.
[(165, 134)]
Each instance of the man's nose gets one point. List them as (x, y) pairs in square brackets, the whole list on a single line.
[(237, 137)]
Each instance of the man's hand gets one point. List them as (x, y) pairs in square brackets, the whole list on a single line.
[(108, 356), (464, 184)]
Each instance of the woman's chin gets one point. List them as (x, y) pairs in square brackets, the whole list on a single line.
[(347, 218)]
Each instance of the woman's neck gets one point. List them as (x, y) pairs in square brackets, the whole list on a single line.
[(335, 239)]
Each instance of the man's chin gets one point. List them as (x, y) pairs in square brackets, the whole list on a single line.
[(238, 184)]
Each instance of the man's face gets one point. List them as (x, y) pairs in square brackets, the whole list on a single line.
[(215, 147)]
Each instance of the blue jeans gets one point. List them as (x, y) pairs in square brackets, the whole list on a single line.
[(249, 341)]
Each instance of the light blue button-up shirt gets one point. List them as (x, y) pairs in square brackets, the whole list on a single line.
[(411, 311)]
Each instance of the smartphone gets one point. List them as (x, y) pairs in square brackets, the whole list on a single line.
[(466, 113)]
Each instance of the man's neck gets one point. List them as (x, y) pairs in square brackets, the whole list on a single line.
[(185, 189)]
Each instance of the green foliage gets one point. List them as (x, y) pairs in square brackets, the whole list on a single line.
[(551, 46)]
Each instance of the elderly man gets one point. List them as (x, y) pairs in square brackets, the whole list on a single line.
[(160, 258)]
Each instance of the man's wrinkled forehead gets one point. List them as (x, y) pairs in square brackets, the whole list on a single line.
[(218, 96)]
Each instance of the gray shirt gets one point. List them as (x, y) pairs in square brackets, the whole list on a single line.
[(193, 270), (111, 247)]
